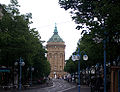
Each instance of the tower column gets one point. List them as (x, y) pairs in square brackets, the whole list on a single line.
[(56, 54)]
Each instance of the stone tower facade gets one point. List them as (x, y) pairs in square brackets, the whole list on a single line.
[(56, 55)]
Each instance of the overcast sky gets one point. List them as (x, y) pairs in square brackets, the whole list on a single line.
[(45, 13)]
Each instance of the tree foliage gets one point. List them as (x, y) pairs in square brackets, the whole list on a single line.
[(17, 40), (102, 19), (70, 66)]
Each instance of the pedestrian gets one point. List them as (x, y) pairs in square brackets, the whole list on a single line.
[(98, 83), (93, 83)]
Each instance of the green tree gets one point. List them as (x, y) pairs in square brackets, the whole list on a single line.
[(17, 40), (93, 49), (106, 13), (14, 35), (42, 66), (71, 66)]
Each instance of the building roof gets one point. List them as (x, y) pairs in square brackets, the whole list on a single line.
[(55, 37)]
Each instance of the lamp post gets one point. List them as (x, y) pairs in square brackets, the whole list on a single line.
[(104, 65), (78, 57), (31, 69), (21, 63), (104, 44)]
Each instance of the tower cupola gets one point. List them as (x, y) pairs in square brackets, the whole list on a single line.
[(55, 37)]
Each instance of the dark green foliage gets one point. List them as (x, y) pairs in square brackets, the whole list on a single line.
[(107, 26), (70, 67), (17, 40)]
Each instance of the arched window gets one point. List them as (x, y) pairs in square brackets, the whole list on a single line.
[(50, 55), (61, 55), (55, 55), (60, 67)]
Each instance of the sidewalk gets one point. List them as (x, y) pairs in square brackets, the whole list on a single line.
[(82, 86), (47, 84), (34, 86)]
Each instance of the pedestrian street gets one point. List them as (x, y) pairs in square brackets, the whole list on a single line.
[(59, 85)]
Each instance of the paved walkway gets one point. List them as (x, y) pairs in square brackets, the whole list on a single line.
[(56, 85), (37, 86)]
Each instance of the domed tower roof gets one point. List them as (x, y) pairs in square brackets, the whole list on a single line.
[(55, 37)]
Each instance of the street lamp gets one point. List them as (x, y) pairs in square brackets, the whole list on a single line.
[(78, 57), (21, 63), (31, 69)]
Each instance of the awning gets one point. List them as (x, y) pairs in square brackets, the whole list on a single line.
[(4, 70)]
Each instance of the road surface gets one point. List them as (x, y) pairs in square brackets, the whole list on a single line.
[(59, 85)]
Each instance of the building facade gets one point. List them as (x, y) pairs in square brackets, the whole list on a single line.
[(56, 55)]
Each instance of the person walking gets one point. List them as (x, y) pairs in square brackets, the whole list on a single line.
[(99, 82)]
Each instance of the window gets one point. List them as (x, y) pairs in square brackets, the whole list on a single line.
[(60, 67), (55, 68), (55, 39), (61, 55), (55, 55), (50, 55)]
